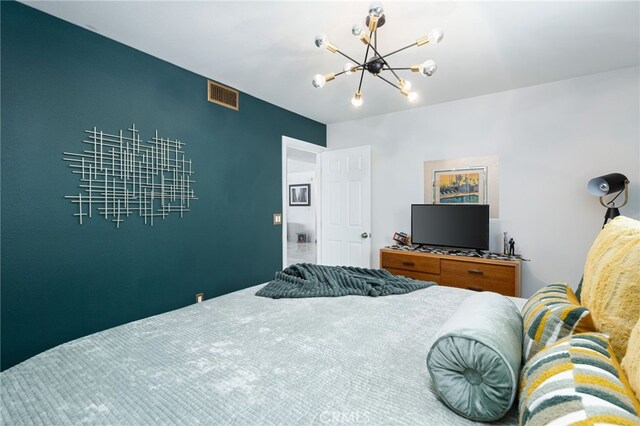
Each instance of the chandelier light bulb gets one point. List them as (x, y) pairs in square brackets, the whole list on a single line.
[(376, 10), (321, 41), (413, 96), (318, 81), (356, 101), (348, 68), (435, 36), (428, 67), (406, 84), (357, 30)]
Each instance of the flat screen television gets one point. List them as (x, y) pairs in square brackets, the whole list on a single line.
[(451, 225)]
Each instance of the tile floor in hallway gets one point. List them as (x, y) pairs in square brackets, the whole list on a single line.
[(301, 252)]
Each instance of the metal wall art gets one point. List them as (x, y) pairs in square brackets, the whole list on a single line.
[(122, 176)]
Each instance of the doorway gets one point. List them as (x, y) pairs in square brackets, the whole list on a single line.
[(301, 202)]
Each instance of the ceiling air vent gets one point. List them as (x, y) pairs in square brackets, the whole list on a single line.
[(223, 95)]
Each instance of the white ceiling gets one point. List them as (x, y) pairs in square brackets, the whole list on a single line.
[(266, 48)]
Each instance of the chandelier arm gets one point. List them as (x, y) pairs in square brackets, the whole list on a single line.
[(361, 77), (387, 81), (366, 54), (338, 73), (367, 62), (349, 58), (383, 60), (399, 50), (396, 69), (394, 73)]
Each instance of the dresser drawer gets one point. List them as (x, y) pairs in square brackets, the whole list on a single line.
[(415, 275), (479, 276), (410, 262)]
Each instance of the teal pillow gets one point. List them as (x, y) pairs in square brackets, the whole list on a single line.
[(474, 361)]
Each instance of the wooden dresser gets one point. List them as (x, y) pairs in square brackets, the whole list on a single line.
[(500, 276)]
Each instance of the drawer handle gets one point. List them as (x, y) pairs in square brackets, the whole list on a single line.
[(475, 271), (408, 263), (474, 288)]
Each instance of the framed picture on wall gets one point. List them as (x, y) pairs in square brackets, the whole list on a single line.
[(300, 194), (442, 185), (460, 186)]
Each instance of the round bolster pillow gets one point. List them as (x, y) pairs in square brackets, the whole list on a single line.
[(474, 361)]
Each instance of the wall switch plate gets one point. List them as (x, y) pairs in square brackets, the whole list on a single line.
[(199, 297), (277, 218)]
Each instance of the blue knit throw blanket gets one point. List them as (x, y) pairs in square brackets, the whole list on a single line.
[(307, 280)]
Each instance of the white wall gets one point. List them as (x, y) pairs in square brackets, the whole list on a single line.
[(551, 139), (302, 218)]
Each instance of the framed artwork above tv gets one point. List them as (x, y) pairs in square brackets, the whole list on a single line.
[(460, 186), (453, 181)]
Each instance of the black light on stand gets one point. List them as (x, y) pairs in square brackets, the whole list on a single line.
[(610, 184)]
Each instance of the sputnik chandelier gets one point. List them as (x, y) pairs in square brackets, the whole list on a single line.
[(376, 64)]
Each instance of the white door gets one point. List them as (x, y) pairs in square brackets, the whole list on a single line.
[(346, 207)]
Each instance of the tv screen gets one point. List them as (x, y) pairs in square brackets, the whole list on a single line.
[(451, 225)]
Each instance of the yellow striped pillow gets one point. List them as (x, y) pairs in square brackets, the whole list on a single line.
[(576, 381), (551, 314)]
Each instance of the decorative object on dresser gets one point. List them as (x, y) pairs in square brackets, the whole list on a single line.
[(402, 238), (377, 63), (462, 270), (609, 184)]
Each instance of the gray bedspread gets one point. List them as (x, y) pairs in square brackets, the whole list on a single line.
[(307, 280), (245, 360)]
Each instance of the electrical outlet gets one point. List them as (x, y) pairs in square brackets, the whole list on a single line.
[(199, 297)]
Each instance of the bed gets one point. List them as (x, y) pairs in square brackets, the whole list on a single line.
[(239, 359)]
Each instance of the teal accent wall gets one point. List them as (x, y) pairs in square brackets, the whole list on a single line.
[(60, 280)]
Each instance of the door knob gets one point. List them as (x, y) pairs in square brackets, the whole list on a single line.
[(364, 235)]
